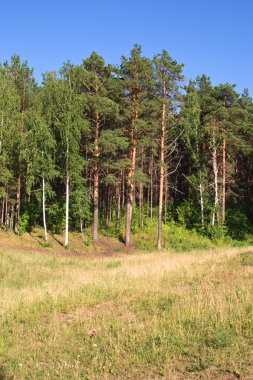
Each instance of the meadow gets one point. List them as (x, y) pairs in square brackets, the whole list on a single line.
[(135, 315)]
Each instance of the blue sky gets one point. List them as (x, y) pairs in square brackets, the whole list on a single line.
[(208, 36)]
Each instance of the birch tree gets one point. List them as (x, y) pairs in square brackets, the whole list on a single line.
[(38, 152), (193, 137), (65, 113)]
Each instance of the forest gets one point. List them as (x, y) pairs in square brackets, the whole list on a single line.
[(98, 147)]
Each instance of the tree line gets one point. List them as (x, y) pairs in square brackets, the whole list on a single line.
[(103, 145)]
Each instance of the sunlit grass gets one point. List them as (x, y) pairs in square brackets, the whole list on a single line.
[(141, 316)]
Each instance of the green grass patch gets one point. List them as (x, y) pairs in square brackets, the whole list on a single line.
[(114, 264), (175, 237)]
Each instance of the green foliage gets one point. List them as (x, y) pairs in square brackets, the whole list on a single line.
[(56, 217), (80, 206), (23, 223), (93, 120), (175, 237), (238, 223), (188, 215), (181, 239), (33, 210)]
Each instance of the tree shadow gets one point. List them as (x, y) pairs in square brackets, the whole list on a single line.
[(37, 239), (57, 240)]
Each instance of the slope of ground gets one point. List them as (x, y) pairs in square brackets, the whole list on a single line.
[(137, 316), (79, 246)]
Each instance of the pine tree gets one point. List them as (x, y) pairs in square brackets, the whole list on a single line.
[(137, 73), (168, 73)]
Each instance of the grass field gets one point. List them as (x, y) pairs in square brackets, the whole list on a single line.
[(127, 316)]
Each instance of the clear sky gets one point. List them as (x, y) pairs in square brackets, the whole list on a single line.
[(208, 36)]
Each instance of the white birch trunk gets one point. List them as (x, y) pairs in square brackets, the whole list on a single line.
[(81, 227), (201, 205), (66, 243), (44, 208)]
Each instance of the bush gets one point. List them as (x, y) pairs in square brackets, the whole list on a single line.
[(188, 214), (23, 224), (175, 237)]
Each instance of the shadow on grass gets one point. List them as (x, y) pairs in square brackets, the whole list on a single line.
[(2, 374), (57, 240)]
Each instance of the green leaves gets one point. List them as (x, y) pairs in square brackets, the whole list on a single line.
[(112, 141)]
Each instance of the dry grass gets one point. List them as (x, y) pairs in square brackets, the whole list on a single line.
[(135, 316)]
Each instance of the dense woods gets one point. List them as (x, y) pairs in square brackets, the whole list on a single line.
[(98, 145)]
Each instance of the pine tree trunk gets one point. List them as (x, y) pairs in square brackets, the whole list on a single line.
[(44, 208), (130, 181), (216, 191), (17, 206), (123, 192), (66, 243), (141, 205), (11, 217), (1, 133), (108, 207), (224, 181), (95, 204), (118, 202), (141, 195), (151, 187), (160, 207), (165, 195), (148, 196), (96, 182), (130, 196), (7, 223)]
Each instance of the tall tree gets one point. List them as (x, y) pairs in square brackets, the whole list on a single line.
[(38, 150), (193, 138), (65, 113), (25, 84), (9, 119), (137, 73), (99, 109), (168, 73)]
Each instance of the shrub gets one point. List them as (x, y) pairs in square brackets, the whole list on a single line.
[(23, 225)]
